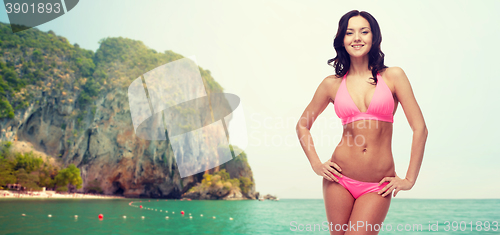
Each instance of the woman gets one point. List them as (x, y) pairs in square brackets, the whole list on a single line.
[(359, 179)]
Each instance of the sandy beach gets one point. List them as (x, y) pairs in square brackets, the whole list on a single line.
[(53, 194)]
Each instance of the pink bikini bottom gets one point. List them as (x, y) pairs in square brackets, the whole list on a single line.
[(358, 188)]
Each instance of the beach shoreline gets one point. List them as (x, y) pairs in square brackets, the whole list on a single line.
[(53, 194)]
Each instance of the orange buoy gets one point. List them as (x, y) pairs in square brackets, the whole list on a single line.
[(182, 212), (100, 216), (140, 206)]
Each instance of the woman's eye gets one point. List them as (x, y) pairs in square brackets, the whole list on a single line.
[(365, 32), (349, 33)]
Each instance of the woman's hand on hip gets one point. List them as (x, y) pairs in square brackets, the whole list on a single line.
[(327, 170), (396, 184)]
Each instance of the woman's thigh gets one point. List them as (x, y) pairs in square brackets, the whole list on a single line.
[(338, 204), (368, 213)]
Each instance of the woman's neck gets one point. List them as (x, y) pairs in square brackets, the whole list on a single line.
[(359, 66)]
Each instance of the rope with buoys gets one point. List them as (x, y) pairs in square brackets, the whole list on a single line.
[(166, 211), (101, 216)]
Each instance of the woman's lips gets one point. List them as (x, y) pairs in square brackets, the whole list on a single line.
[(357, 47)]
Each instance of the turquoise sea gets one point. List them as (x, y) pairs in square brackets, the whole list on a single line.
[(286, 216)]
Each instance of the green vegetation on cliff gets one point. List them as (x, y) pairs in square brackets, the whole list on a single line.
[(218, 181), (37, 61), (69, 176), (239, 168), (33, 173), (222, 181), (220, 184)]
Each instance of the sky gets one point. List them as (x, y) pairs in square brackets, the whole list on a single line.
[(273, 55)]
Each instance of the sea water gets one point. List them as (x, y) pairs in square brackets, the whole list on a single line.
[(287, 216)]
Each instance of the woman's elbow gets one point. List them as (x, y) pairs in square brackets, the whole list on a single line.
[(420, 129), (424, 131), (299, 128)]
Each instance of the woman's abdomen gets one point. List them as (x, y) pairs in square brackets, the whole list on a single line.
[(365, 154)]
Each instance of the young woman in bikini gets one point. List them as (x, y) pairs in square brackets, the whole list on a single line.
[(360, 178)]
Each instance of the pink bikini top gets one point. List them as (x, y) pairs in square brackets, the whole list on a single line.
[(381, 106)]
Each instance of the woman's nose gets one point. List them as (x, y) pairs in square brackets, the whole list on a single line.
[(357, 37)]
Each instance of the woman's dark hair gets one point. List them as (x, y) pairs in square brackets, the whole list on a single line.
[(342, 61)]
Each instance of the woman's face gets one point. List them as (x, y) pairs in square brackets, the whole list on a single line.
[(358, 37)]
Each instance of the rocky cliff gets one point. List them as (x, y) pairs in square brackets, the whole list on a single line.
[(71, 104)]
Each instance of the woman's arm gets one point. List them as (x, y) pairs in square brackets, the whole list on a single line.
[(317, 105), (404, 93)]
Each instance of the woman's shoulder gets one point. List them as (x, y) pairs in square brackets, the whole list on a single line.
[(331, 81), (394, 76), (329, 86), (392, 73)]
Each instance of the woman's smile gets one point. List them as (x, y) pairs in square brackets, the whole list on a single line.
[(357, 46)]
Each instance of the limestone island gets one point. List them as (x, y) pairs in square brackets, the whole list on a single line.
[(66, 124)]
